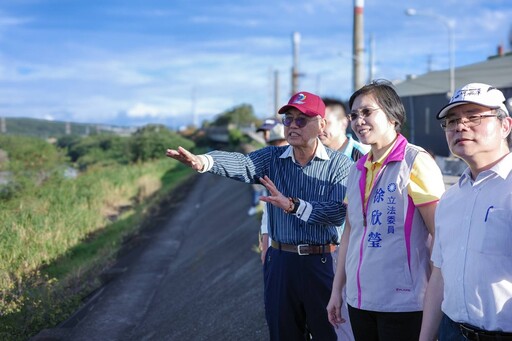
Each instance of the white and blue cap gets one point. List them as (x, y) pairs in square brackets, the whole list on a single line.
[(268, 124), (477, 93), (276, 133), (275, 129)]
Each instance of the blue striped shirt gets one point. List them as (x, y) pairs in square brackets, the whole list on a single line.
[(321, 186)]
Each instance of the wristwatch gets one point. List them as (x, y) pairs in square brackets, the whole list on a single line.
[(294, 205)]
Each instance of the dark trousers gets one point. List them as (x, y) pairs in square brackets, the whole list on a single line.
[(383, 326), (450, 330), (297, 290)]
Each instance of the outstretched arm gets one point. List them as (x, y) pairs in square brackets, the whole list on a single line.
[(187, 158)]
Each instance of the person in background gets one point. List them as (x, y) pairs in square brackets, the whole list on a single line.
[(335, 134), (470, 289), (392, 193), (306, 184), (273, 133), (277, 135)]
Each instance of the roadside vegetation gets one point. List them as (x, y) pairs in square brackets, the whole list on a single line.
[(58, 233), (69, 206)]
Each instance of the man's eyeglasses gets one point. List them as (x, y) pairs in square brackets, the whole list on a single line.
[(450, 124), (363, 113), (300, 121)]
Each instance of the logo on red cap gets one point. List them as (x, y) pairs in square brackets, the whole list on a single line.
[(307, 103), (300, 99)]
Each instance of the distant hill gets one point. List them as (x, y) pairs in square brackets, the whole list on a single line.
[(47, 129)]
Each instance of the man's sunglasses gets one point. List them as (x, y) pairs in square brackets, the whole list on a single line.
[(300, 121)]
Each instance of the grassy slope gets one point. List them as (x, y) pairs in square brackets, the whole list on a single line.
[(56, 243)]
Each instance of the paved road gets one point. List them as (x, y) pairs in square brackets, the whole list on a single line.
[(195, 277)]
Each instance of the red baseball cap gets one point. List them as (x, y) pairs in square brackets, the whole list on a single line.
[(307, 103)]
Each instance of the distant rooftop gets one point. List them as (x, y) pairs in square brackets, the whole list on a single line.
[(496, 70)]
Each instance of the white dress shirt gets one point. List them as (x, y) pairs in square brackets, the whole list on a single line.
[(473, 248)]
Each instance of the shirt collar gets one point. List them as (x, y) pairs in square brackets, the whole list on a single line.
[(399, 141), (465, 177), (320, 152), (348, 148), (502, 169)]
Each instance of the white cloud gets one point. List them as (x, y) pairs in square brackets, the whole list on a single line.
[(143, 110), (172, 61), (6, 20)]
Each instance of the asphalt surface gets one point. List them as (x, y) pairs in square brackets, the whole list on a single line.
[(194, 275)]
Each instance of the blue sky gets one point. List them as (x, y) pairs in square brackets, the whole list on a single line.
[(154, 61)]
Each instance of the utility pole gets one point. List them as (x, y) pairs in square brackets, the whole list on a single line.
[(276, 93), (371, 60), (295, 67), (195, 121), (450, 25), (358, 45)]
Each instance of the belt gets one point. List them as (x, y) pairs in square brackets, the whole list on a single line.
[(304, 249), (473, 333)]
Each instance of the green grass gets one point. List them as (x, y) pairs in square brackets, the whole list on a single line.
[(57, 239)]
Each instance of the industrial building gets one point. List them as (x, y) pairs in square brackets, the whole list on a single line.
[(423, 96)]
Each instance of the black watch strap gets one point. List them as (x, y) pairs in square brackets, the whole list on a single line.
[(296, 204)]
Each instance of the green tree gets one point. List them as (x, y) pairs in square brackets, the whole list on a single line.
[(30, 161), (240, 115), (151, 142), (30, 153), (98, 149)]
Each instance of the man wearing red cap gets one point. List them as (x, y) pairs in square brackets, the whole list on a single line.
[(306, 184)]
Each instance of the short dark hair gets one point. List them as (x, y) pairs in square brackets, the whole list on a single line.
[(387, 98), (501, 114), (334, 102)]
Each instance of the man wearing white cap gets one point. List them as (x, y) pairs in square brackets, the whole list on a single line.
[(469, 295), (273, 133)]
